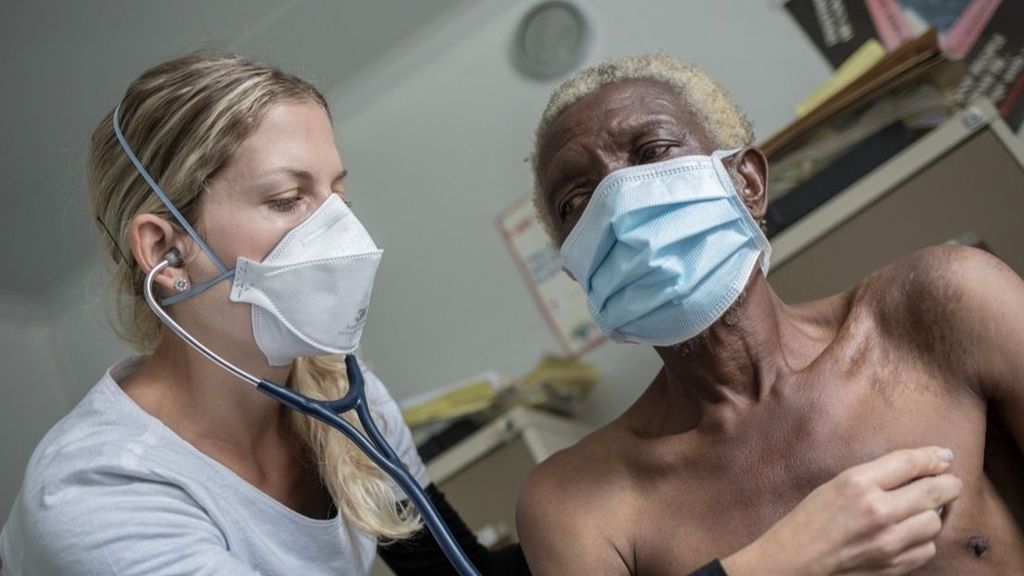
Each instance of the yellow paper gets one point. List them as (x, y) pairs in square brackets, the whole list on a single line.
[(465, 399), (869, 54)]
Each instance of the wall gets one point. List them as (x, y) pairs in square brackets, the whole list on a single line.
[(33, 397), (51, 354)]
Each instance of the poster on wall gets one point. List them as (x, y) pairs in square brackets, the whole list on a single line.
[(560, 299), (995, 64), (836, 27)]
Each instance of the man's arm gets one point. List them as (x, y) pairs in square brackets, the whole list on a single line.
[(986, 320)]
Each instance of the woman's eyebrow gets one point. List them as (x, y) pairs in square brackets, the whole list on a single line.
[(301, 175)]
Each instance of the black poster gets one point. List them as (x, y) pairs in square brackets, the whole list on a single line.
[(837, 27), (995, 64)]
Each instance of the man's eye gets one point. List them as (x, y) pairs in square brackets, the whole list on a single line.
[(573, 204), (654, 152)]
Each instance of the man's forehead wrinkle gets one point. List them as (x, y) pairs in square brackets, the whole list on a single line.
[(627, 128), (666, 101), (567, 135), (607, 128), (561, 145), (570, 161), (564, 134), (613, 136)]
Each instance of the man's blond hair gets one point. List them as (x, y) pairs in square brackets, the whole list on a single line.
[(723, 121)]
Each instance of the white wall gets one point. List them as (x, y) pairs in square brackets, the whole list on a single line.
[(51, 355), (436, 141), (32, 396), (82, 340)]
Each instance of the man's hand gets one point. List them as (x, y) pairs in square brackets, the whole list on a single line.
[(877, 519)]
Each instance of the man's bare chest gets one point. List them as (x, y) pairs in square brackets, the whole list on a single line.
[(731, 487)]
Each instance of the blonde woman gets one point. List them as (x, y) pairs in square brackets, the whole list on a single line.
[(169, 465)]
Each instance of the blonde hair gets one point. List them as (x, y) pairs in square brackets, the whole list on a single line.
[(184, 119), (723, 121)]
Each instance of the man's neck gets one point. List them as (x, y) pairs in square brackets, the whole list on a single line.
[(739, 359)]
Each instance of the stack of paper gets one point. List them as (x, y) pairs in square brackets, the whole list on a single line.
[(452, 401)]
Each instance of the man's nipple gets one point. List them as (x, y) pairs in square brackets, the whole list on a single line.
[(978, 545)]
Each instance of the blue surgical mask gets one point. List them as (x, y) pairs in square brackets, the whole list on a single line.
[(663, 250)]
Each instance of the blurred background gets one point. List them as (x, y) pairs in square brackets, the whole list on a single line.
[(434, 119)]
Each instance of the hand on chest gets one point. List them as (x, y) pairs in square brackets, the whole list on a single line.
[(735, 481)]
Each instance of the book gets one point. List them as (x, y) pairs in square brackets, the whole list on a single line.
[(869, 54)]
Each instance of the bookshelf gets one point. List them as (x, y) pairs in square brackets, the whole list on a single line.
[(964, 179)]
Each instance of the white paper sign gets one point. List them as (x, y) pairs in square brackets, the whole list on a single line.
[(560, 299)]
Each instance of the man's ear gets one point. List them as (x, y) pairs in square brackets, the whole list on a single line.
[(752, 185), (151, 238)]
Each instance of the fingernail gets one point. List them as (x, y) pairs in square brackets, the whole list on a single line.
[(945, 454)]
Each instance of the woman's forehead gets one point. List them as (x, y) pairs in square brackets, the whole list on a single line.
[(291, 136)]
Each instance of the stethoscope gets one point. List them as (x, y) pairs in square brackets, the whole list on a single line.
[(372, 444)]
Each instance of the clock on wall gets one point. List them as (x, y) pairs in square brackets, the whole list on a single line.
[(551, 40)]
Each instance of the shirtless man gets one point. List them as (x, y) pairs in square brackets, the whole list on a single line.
[(756, 406)]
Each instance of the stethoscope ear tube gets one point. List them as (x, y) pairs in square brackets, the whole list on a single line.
[(372, 444)]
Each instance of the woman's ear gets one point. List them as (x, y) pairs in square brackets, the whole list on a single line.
[(752, 169), (152, 238)]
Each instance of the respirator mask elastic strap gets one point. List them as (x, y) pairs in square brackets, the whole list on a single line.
[(197, 289), (225, 272)]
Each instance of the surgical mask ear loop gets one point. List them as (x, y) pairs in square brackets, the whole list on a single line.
[(373, 443)]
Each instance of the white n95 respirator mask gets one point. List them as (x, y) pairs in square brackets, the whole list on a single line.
[(310, 295), (663, 250)]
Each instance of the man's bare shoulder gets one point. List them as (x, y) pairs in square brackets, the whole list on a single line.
[(589, 471), (933, 299), (564, 506)]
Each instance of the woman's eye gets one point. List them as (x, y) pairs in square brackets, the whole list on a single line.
[(284, 204), (344, 198)]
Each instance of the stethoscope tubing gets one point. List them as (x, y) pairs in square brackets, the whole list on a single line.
[(372, 444)]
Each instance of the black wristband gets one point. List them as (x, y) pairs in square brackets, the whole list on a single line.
[(713, 568), (420, 555)]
